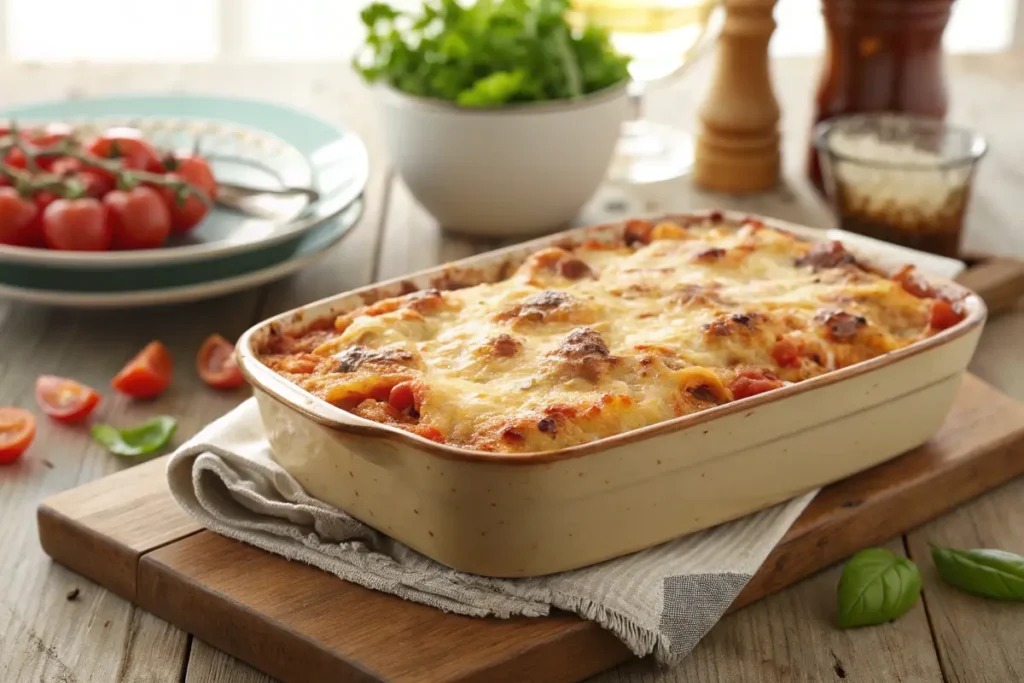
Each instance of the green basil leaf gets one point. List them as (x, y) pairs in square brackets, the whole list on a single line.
[(877, 586), (989, 573), (150, 436)]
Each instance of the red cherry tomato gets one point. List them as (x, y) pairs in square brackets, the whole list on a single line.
[(216, 365), (945, 314), (64, 399), (146, 375), (127, 145), (47, 137), (186, 211), (193, 169), (18, 224), (77, 225), (139, 218), (17, 429), (95, 183)]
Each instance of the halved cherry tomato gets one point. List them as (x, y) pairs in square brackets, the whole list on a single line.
[(187, 211), (147, 374), (753, 382), (17, 429), (65, 399), (945, 314), (77, 225), (127, 145), (139, 218), (216, 364), (18, 219)]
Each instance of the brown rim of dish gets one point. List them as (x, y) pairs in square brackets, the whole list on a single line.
[(260, 376)]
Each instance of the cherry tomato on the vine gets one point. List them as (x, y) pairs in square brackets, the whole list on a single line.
[(128, 146), (216, 365), (187, 210), (139, 218), (77, 225), (193, 169), (18, 224), (64, 399), (96, 183)]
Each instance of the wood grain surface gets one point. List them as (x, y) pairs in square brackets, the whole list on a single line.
[(285, 617), (101, 637)]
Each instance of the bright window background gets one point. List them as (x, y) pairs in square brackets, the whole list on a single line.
[(307, 30)]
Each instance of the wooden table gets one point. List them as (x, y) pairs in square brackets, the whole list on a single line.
[(45, 635)]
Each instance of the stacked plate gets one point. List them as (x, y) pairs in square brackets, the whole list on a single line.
[(248, 143)]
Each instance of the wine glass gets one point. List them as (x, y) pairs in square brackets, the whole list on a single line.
[(663, 38)]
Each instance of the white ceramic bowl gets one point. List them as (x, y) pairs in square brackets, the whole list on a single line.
[(517, 170)]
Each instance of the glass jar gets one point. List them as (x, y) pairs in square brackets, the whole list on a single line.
[(881, 56)]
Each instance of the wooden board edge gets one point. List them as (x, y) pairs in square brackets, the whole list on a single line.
[(86, 552), (239, 630), (823, 546)]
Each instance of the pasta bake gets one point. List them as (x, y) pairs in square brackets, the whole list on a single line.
[(587, 341)]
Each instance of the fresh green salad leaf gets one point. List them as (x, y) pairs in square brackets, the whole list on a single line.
[(489, 54), (877, 586), (150, 436), (995, 574)]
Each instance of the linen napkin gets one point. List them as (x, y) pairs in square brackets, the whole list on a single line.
[(659, 601)]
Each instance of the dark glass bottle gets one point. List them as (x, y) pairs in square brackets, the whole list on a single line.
[(881, 56)]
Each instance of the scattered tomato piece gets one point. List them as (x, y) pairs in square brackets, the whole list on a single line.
[(64, 399), (17, 429), (146, 375), (216, 364)]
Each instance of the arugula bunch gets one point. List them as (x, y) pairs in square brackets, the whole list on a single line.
[(492, 53)]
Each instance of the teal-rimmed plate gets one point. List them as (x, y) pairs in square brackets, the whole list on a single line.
[(286, 146), (127, 288)]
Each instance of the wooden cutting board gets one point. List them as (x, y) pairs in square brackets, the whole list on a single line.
[(299, 624)]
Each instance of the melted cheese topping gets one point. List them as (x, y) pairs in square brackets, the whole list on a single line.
[(584, 344)]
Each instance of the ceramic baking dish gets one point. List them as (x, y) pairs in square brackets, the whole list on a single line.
[(531, 514)]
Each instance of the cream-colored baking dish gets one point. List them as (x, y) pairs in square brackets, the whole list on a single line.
[(530, 514)]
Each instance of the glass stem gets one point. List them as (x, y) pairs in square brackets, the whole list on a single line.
[(636, 93)]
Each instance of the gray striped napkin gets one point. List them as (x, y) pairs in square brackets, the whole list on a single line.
[(659, 601)]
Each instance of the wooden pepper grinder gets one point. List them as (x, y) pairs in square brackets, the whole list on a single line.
[(738, 144)]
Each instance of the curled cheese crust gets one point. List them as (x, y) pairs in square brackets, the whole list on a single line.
[(590, 342)]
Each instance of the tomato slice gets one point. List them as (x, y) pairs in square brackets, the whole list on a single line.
[(216, 364), (17, 429), (65, 399), (147, 374)]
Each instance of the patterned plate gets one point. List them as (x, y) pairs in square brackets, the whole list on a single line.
[(249, 142)]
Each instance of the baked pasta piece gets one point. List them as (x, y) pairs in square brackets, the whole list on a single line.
[(594, 340)]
